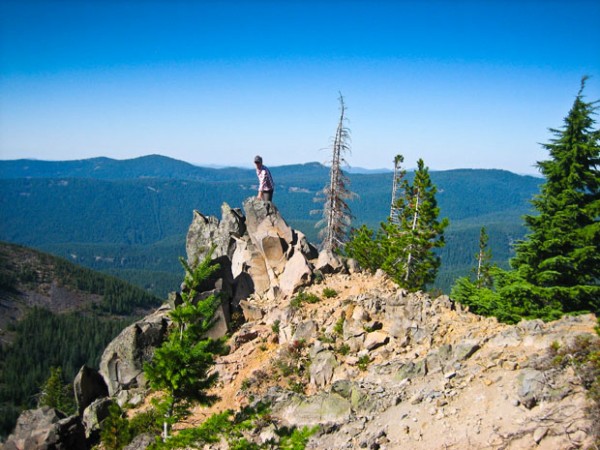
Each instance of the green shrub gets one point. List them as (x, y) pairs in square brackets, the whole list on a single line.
[(344, 349), (339, 326), (329, 293), (275, 326), (326, 339), (363, 362), (303, 297), (115, 433)]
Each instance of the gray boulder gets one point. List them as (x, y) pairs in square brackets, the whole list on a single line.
[(329, 262), (47, 429), (284, 251), (322, 368), (93, 416), (122, 363), (306, 331), (141, 442), (376, 339), (531, 387), (320, 409), (88, 386), (207, 231)]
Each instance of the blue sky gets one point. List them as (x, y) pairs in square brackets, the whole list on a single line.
[(457, 83)]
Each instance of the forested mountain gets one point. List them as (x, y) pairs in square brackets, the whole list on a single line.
[(152, 166), (55, 314), (129, 218)]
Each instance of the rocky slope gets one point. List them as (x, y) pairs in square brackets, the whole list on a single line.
[(369, 364), (437, 376)]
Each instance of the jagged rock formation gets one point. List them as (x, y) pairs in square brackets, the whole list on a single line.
[(266, 255)]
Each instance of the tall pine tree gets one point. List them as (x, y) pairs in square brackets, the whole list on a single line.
[(403, 246), (561, 256), (410, 259)]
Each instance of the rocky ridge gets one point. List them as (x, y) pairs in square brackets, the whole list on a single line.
[(371, 365)]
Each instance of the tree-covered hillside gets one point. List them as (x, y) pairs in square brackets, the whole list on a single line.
[(55, 314), (151, 166), (132, 222)]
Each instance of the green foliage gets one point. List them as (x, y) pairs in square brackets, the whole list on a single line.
[(55, 393), (303, 297), (509, 299), (329, 293), (292, 360), (560, 257), (326, 338), (275, 327), (404, 246), (338, 328), (115, 432), (363, 362), (298, 439), (180, 366), (236, 430), (343, 349), (557, 266), (44, 340), (209, 432), (366, 247), (147, 421), (24, 268)]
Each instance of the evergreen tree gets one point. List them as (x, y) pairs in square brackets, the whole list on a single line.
[(411, 238), (180, 366), (57, 394), (365, 246), (337, 217), (560, 259), (115, 433), (404, 245)]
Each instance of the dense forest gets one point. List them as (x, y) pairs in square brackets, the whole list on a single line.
[(134, 224), (92, 309), (44, 340)]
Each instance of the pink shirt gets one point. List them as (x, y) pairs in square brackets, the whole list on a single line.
[(265, 180)]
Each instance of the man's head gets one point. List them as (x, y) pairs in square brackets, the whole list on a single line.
[(258, 160)]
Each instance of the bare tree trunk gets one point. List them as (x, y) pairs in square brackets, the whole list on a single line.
[(413, 228)]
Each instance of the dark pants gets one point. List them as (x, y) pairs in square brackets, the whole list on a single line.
[(267, 196)]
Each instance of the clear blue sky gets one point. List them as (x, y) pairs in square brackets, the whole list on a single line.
[(458, 83)]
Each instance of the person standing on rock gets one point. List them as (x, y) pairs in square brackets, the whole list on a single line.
[(266, 186)]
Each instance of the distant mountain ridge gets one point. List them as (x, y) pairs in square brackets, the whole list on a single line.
[(151, 166), (129, 218)]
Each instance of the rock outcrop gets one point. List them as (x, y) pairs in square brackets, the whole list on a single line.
[(47, 429), (390, 369), (122, 363), (88, 386), (260, 253)]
